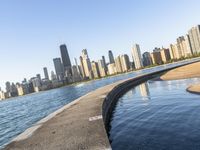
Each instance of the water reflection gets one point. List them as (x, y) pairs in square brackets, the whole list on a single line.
[(130, 93), (158, 115), (144, 89)]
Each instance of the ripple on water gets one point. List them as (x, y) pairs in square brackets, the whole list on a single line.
[(157, 115)]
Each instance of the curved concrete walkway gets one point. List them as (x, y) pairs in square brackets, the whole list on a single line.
[(78, 125)]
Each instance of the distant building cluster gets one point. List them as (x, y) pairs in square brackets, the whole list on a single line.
[(66, 73), (184, 47)]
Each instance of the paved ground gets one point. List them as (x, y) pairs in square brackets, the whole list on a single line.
[(71, 129)]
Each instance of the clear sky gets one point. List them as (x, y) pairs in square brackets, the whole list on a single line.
[(32, 30)]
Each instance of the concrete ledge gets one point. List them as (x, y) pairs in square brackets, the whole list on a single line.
[(28, 132), (113, 96)]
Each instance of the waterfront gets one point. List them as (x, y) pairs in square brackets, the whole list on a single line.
[(17, 114), (157, 115)]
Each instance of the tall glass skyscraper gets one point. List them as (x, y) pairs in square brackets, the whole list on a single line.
[(104, 64), (46, 75), (194, 36), (86, 63), (137, 58), (65, 59), (59, 69), (111, 57)]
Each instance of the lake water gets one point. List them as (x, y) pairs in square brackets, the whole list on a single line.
[(157, 115)]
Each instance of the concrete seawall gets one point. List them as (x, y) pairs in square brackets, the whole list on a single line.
[(81, 124), (113, 96)]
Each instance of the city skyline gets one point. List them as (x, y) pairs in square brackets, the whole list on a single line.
[(66, 72), (38, 51)]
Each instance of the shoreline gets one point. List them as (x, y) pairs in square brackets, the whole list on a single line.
[(78, 124), (21, 139), (195, 89), (184, 72), (109, 76)]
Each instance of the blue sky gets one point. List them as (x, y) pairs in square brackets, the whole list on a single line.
[(32, 30)]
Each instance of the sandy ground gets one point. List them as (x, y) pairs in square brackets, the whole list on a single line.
[(194, 88), (188, 71)]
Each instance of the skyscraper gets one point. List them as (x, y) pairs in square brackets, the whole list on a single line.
[(111, 57), (102, 68), (172, 51), (104, 64), (86, 63), (112, 69), (39, 77), (137, 56), (46, 75), (53, 76), (194, 35), (76, 75), (65, 59), (181, 46), (95, 69), (13, 90), (147, 59), (36, 84), (8, 87), (156, 56), (165, 55), (82, 67), (118, 64), (59, 69), (78, 68), (188, 50), (125, 62)]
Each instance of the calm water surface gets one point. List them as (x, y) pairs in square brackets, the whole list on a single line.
[(157, 115), (18, 114)]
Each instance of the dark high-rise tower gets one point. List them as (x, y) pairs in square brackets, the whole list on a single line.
[(111, 57), (46, 75), (59, 69), (65, 59), (104, 64), (8, 87), (39, 77)]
